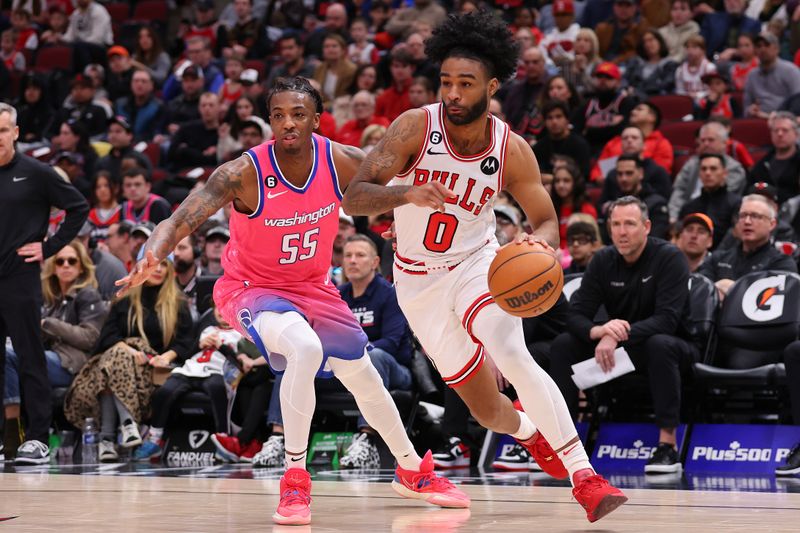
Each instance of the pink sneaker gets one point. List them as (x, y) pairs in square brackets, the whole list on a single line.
[(426, 485), (294, 508)]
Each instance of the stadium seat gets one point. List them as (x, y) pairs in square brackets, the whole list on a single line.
[(58, 57), (119, 11), (758, 318), (673, 107), (751, 131), (259, 65), (681, 134), (152, 11), (700, 322), (678, 163)]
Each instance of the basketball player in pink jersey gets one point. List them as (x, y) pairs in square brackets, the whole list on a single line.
[(275, 290), (444, 165)]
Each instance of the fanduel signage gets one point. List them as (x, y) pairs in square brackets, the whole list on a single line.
[(622, 447), (745, 449)]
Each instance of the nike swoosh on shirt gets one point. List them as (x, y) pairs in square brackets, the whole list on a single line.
[(16, 179), (645, 280), (270, 196), (436, 153)]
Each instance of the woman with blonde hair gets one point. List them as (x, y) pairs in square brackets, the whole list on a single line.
[(578, 72), (73, 315), (372, 134), (149, 328)]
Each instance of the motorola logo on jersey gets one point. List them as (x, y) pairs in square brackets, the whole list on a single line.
[(435, 137), (270, 182), (490, 165), (763, 300)]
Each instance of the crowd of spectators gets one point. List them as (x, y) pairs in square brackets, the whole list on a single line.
[(135, 103)]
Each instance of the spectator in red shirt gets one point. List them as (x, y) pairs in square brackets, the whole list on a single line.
[(647, 118), (569, 195), (394, 100), (363, 109)]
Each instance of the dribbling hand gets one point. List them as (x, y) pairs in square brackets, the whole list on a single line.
[(433, 194), (138, 275), (533, 239)]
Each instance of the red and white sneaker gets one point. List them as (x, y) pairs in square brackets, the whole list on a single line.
[(543, 453), (295, 506), (595, 494), (249, 450), (228, 448), (426, 485)]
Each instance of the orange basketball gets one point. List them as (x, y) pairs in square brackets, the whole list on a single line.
[(525, 279)]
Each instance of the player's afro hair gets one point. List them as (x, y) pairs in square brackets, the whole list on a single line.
[(479, 35)]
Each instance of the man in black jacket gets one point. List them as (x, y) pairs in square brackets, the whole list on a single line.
[(755, 252), (28, 190), (643, 284), (560, 139), (781, 165), (715, 199), (630, 181)]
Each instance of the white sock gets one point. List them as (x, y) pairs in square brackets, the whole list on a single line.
[(290, 335), (155, 434), (377, 406), (574, 458), (296, 460), (526, 428)]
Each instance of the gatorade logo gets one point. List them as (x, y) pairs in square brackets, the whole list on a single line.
[(527, 297), (637, 452), (735, 453), (763, 300)]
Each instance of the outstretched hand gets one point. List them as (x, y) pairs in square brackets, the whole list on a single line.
[(139, 274)]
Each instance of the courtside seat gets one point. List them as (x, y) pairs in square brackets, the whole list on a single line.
[(758, 319)]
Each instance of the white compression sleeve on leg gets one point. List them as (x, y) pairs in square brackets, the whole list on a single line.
[(290, 335), (377, 406), (538, 393)]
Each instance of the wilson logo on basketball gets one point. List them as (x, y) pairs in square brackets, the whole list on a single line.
[(527, 297)]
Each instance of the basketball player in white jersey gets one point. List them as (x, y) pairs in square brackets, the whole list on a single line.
[(444, 165)]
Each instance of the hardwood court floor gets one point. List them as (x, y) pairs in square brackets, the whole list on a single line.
[(63, 503)]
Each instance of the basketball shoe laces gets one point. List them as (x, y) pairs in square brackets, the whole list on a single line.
[(430, 479), (295, 495), (588, 485)]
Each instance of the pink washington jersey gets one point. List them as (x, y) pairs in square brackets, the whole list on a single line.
[(430, 239), (278, 257)]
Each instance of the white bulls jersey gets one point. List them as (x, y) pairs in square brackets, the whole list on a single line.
[(428, 238)]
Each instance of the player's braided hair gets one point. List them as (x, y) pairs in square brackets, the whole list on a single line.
[(297, 84), (480, 35)]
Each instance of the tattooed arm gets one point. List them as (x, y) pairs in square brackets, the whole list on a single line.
[(224, 185), (367, 193)]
